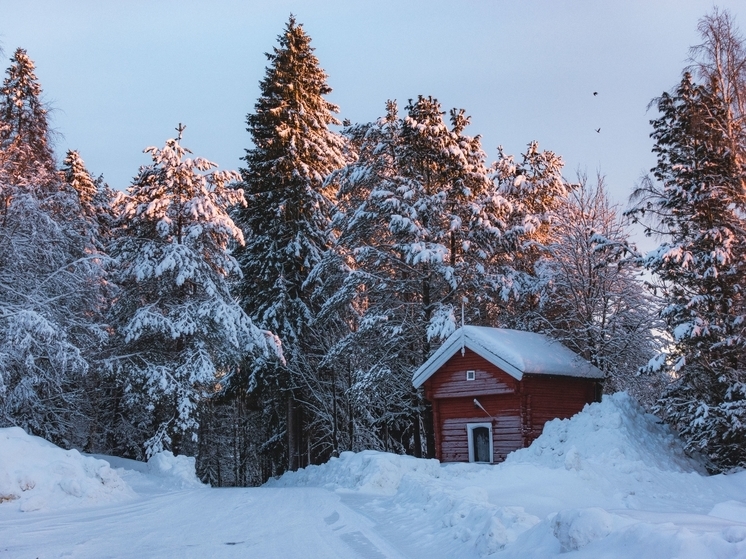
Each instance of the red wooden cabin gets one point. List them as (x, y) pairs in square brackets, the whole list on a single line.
[(492, 390)]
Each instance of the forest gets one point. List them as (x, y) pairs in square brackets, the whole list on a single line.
[(272, 317)]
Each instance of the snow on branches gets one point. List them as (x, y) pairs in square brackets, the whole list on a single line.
[(180, 331)]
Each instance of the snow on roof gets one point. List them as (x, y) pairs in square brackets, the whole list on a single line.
[(514, 351)]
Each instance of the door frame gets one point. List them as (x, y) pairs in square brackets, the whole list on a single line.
[(470, 439)]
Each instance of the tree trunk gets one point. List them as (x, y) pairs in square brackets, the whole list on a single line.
[(428, 424), (292, 441), (417, 435), (335, 439)]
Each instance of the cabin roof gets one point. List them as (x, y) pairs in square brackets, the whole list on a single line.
[(514, 351)]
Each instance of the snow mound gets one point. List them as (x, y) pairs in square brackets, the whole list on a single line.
[(37, 475), (576, 528), (365, 472), (730, 510), (610, 457), (464, 513), (180, 469), (421, 488), (615, 432)]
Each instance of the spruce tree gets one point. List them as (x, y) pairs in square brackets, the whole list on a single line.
[(75, 174), (25, 151), (94, 197), (534, 190), (52, 286), (696, 203), (287, 214), (179, 332)]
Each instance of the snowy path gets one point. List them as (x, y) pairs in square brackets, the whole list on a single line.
[(611, 483), (225, 523)]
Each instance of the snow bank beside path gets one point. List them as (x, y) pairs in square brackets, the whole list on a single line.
[(37, 475), (163, 473), (366, 472), (612, 481), (614, 433), (421, 489), (179, 469)]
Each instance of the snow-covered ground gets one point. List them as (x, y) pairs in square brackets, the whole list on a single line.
[(611, 482)]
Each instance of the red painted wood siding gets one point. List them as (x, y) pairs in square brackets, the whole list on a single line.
[(551, 397), (450, 380), (455, 413), (520, 409)]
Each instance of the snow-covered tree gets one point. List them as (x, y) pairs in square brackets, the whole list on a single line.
[(533, 190), (50, 299), (536, 189), (26, 156), (287, 216), (697, 204), (415, 224), (75, 174), (286, 219), (95, 198), (52, 287), (592, 296), (180, 334)]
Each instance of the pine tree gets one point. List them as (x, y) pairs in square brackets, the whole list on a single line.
[(180, 335), (94, 221), (94, 196), (25, 151), (75, 174), (287, 214), (697, 204)]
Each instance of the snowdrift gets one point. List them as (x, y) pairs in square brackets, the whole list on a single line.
[(368, 472), (178, 471), (163, 472), (615, 433), (37, 475), (612, 482), (609, 476)]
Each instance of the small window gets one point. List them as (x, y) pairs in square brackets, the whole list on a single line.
[(471, 375)]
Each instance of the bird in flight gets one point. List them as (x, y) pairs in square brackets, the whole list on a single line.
[(595, 93), (598, 130)]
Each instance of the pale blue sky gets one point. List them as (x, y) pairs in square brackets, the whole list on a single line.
[(122, 75)]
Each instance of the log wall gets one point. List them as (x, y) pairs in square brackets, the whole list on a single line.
[(450, 380), (519, 410), (551, 397), (455, 413)]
